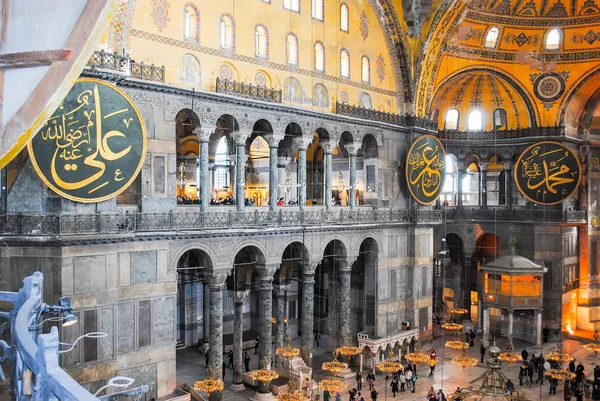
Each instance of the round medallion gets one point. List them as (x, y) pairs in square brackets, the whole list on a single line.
[(595, 222), (426, 169), (344, 96), (260, 78), (160, 10), (547, 173), (549, 87), (226, 72), (93, 146)]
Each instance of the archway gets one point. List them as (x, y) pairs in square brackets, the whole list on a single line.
[(488, 248), (188, 150), (221, 149), (363, 288), (367, 176), (454, 286)]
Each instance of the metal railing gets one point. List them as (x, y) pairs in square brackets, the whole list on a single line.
[(106, 223), (501, 213), (384, 117), (502, 134), (248, 90), (122, 63)]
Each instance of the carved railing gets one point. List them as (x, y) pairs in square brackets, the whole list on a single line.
[(106, 223), (384, 117), (501, 213), (122, 63), (502, 134), (248, 90)]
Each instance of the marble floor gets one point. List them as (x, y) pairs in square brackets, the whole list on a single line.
[(190, 368)]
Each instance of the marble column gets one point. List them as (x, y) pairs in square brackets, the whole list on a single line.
[(215, 350), (486, 325), (273, 141), (344, 302), (511, 318), (460, 173), (352, 149), (203, 176), (240, 168), (302, 144), (508, 185), (279, 293), (238, 333), (206, 314), (538, 316), (265, 314), (328, 166), (308, 311), (483, 185)]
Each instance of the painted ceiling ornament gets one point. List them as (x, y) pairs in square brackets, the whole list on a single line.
[(344, 96), (380, 67), (364, 25), (558, 10), (426, 169), (226, 72), (260, 79), (547, 173), (549, 87), (160, 13)]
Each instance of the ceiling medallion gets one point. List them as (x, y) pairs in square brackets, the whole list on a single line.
[(549, 87), (160, 13)]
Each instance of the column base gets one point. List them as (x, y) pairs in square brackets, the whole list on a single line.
[(263, 397), (237, 387), (346, 374)]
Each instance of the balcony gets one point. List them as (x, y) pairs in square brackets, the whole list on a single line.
[(248, 91), (384, 117), (501, 213), (502, 134), (113, 223), (122, 63)]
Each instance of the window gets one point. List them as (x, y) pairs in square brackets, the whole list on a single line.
[(293, 5), (190, 23), (344, 17), (261, 39), (221, 177), (492, 38), (365, 69), (319, 57), (475, 121), (227, 27), (292, 49), (500, 119), (317, 9), (345, 63), (451, 120), (553, 40)]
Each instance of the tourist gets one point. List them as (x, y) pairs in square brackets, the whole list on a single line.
[(553, 386), (360, 397), (408, 375), (431, 363), (338, 396), (374, 394), (394, 385), (230, 359), (587, 392), (482, 351), (280, 202), (431, 394), (326, 395), (359, 380), (521, 374), (224, 370), (510, 387), (414, 381), (540, 370), (530, 370), (402, 379), (579, 391), (247, 362), (572, 366), (432, 354), (352, 394), (524, 355), (457, 395), (441, 396), (371, 379)]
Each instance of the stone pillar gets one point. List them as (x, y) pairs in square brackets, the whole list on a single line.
[(538, 315), (302, 144), (483, 185), (265, 314), (238, 333), (215, 350), (344, 302), (328, 161), (279, 292), (206, 314), (240, 168), (307, 323), (460, 174), (352, 149), (508, 185), (486, 325), (273, 140), (511, 318), (204, 181)]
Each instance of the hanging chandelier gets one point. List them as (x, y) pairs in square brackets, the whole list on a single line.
[(417, 357), (560, 374), (288, 351), (457, 344), (181, 182), (464, 361), (348, 350), (293, 392), (334, 367), (509, 356), (559, 356), (332, 385), (210, 384), (265, 374), (459, 311), (390, 366), (595, 345), (452, 326)]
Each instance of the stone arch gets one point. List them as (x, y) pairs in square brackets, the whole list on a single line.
[(334, 237), (177, 250), (369, 148), (254, 244)]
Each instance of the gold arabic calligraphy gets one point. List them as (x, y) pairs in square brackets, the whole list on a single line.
[(544, 173), (426, 165)]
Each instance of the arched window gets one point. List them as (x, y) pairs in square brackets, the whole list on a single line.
[(553, 40), (344, 17), (261, 41), (292, 49), (190, 23), (317, 9), (451, 122), (227, 32), (492, 38), (345, 63), (500, 119), (364, 100), (293, 5), (319, 57), (475, 121), (365, 69), (221, 170)]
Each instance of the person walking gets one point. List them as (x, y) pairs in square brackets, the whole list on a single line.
[(579, 391), (360, 397), (409, 382), (224, 370), (524, 355), (352, 394), (540, 370), (553, 386), (247, 362), (326, 395), (431, 394), (431, 363), (374, 394), (230, 359), (572, 366), (371, 379), (441, 396), (338, 396), (359, 380), (402, 379), (482, 351), (521, 374), (530, 370), (414, 381), (394, 385)]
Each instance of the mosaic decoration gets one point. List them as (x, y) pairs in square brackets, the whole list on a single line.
[(475, 34), (590, 37), (189, 69), (117, 26), (93, 146), (381, 68), (547, 173), (460, 94), (521, 39), (589, 7), (364, 25), (497, 99), (549, 87), (226, 72), (558, 10), (320, 96), (344, 97), (260, 79), (426, 169), (160, 13), (476, 99)]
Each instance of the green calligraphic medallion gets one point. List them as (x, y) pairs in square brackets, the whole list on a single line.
[(93, 146), (426, 169), (547, 173)]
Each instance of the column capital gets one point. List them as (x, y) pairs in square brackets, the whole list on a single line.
[(217, 278), (352, 148), (460, 167), (239, 137), (240, 295), (302, 142), (327, 146), (280, 290), (267, 271), (203, 133), (483, 166), (273, 139), (508, 166)]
